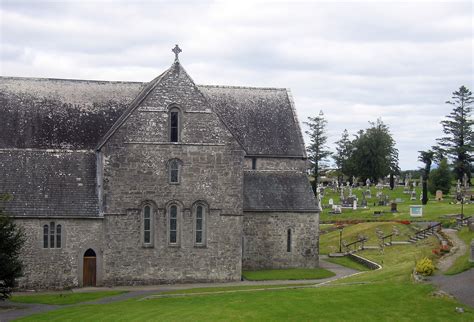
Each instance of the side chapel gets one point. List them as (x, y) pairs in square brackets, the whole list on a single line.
[(123, 183)]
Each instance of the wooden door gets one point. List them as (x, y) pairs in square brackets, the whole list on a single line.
[(89, 271)]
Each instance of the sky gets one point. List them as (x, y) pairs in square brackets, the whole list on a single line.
[(354, 60)]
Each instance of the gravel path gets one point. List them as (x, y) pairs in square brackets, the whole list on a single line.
[(10, 311), (458, 249), (461, 286)]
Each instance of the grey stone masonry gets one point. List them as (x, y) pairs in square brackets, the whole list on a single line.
[(267, 244)]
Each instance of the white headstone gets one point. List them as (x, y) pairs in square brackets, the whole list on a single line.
[(354, 205), (331, 202)]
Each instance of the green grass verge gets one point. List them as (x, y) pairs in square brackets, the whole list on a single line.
[(63, 298), (434, 210), (347, 262), (287, 274), (370, 302), (230, 288), (462, 263)]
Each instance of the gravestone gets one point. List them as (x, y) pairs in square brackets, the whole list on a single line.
[(354, 205), (337, 209), (439, 195), (368, 194), (393, 207), (331, 202), (413, 195), (398, 200), (416, 211)]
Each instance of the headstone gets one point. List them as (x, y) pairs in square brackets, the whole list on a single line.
[(465, 181), (393, 207), (413, 195), (439, 195), (416, 211), (398, 200), (368, 194), (337, 209), (354, 205), (331, 202), (367, 182), (363, 203)]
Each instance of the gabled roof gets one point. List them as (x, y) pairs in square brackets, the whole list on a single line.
[(262, 119), (82, 114), (49, 182), (278, 191)]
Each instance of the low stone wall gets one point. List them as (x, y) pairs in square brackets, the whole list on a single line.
[(364, 261)]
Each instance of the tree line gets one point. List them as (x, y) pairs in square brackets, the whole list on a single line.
[(371, 153)]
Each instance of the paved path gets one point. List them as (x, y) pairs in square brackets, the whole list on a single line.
[(458, 249), (460, 285), (21, 310)]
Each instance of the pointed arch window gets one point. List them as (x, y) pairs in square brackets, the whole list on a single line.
[(200, 216), (174, 119), (173, 225), (45, 236)]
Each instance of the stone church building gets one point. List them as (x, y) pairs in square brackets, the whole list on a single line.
[(123, 183)]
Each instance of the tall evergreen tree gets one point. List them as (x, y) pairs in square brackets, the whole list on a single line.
[(317, 149), (458, 144), (427, 158), (343, 154), (374, 154), (11, 241)]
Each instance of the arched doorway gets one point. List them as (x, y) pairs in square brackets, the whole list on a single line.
[(89, 268)]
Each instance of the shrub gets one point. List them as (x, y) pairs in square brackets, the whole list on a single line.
[(425, 267)]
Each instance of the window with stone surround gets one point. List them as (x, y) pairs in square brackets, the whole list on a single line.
[(173, 225), (174, 120), (174, 171), (200, 212), (147, 225), (52, 235), (288, 240)]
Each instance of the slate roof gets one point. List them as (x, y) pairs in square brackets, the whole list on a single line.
[(262, 119), (278, 191), (46, 182)]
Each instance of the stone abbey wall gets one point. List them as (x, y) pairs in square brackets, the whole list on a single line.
[(265, 240), (59, 268)]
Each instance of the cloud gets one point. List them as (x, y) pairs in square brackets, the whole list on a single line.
[(355, 60)]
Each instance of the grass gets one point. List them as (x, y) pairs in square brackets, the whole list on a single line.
[(63, 298), (434, 210), (462, 263), (329, 243), (347, 262), (287, 274), (231, 288), (384, 301)]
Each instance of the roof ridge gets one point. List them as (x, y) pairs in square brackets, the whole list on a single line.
[(70, 79), (242, 87)]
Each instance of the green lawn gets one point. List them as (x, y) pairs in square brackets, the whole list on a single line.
[(347, 262), (372, 302), (231, 288), (462, 263), (434, 210), (63, 298), (287, 274)]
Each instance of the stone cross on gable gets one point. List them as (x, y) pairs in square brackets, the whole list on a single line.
[(176, 51)]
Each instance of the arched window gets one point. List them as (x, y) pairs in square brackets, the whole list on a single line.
[(174, 124), (174, 167), (58, 236), (288, 240), (147, 224), (45, 236), (200, 214), (173, 224), (51, 234)]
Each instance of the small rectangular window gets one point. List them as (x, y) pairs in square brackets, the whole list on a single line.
[(288, 241), (45, 236), (254, 163)]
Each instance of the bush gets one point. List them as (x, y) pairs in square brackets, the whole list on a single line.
[(425, 267), (440, 179)]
